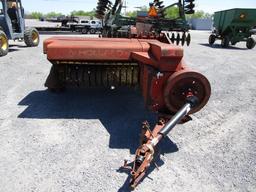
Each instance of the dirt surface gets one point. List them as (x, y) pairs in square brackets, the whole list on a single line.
[(77, 141)]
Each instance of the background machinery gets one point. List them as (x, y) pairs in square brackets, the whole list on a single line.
[(151, 24), (73, 24), (233, 26), (12, 26)]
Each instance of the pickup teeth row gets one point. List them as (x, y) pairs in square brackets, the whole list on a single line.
[(97, 75)]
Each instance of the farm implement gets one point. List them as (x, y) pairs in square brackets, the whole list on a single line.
[(168, 86), (233, 26), (151, 24)]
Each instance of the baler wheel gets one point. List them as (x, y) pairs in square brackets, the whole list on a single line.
[(184, 83), (4, 45), (250, 43), (212, 39), (225, 42)]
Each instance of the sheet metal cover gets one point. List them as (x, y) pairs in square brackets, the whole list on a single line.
[(92, 49)]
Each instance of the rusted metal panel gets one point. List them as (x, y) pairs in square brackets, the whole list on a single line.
[(105, 48), (115, 62), (98, 41), (92, 50)]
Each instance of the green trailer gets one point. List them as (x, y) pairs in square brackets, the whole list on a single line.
[(233, 26)]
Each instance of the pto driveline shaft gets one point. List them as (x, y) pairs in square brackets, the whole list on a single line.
[(175, 119), (192, 101)]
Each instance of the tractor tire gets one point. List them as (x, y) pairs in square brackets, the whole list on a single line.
[(212, 39), (225, 42), (31, 37), (4, 44), (250, 43)]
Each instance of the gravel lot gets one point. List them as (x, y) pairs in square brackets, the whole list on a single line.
[(77, 141)]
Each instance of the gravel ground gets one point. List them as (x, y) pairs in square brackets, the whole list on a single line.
[(77, 141)]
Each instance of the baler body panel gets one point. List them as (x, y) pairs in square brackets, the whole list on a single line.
[(107, 62)]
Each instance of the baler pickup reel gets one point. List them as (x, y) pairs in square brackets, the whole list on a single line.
[(168, 87)]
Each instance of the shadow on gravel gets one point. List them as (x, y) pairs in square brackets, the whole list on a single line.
[(17, 46), (218, 46), (120, 111), (13, 50)]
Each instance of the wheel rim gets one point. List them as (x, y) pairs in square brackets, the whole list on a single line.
[(186, 81), (35, 37), (3, 42)]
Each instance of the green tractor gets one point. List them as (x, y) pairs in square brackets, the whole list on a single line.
[(12, 26)]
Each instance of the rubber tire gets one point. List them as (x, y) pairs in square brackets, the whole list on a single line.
[(84, 31), (250, 43), (92, 31), (28, 39), (2, 51), (212, 39), (225, 42)]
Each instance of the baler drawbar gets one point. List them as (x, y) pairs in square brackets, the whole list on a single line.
[(168, 87)]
